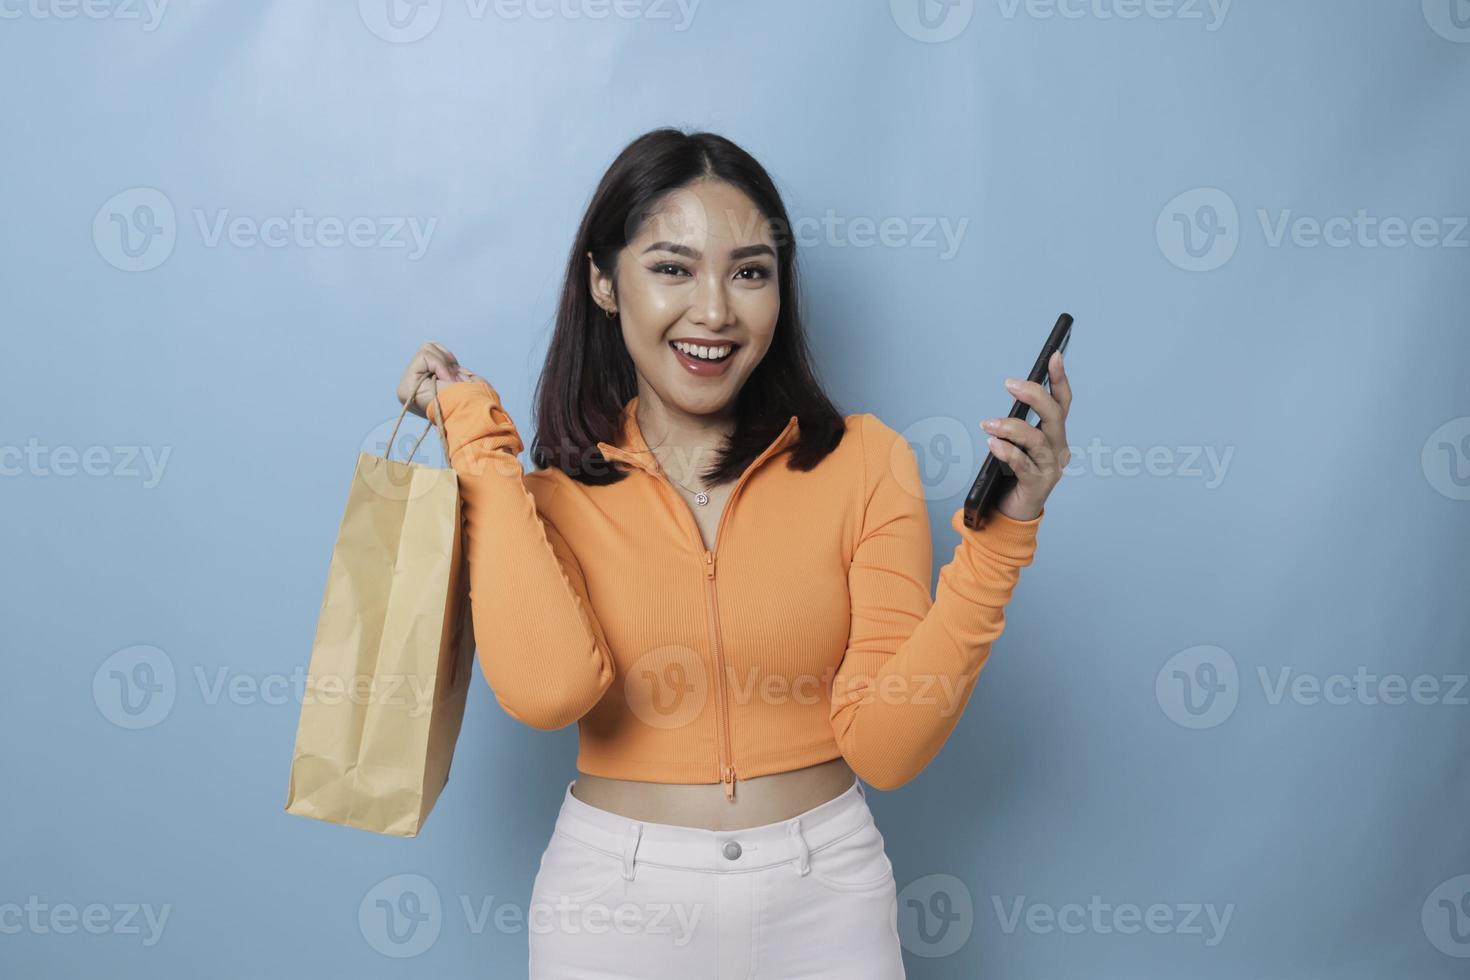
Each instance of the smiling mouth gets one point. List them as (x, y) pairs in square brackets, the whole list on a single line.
[(711, 353), (702, 360)]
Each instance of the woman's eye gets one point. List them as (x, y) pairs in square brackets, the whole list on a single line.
[(750, 272)]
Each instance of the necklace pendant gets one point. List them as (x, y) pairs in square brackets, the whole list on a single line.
[(701, 498)]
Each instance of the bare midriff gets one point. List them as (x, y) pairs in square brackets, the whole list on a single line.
[(761, 800)]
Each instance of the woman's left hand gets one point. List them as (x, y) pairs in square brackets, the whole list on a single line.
[(1036, 453)]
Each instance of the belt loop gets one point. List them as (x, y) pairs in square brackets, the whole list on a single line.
[(803, 863), (630, 848)]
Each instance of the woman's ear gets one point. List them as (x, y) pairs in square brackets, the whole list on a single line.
[(601, 286)]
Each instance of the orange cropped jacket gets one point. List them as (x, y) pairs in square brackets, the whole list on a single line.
[(806, 633)]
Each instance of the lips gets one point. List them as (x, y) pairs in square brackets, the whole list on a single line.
[(702, 368)]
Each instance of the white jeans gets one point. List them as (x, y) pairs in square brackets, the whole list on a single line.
[(805, 898)]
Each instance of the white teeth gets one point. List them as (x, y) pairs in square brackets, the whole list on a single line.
[(704, 353)]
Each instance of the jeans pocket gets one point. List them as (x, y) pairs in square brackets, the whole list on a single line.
[(573, 871), (857, 862)]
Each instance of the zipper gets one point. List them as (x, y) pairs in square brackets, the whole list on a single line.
[(724, 743), (722, 706), (722, 709)]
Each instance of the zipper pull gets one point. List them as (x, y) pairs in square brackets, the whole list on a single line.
[(729, 782), (709, 564)]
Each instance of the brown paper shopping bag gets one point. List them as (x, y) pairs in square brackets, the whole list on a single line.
[(391, 662)]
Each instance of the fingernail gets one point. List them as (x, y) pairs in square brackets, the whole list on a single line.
[(989, 423), (1012, 383), (992, 442)]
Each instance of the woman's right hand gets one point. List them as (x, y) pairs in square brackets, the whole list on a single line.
[(430, 361)]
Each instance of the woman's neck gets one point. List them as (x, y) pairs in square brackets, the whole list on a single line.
[(684, 443)]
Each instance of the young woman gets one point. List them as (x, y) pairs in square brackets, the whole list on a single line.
[(725, 582)]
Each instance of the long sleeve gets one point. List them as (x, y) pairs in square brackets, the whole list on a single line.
[(912, 661), (540, 646)]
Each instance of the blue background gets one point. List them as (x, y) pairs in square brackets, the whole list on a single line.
[(1122, 742)]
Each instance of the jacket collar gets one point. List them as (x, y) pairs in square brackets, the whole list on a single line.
[(631, 449)]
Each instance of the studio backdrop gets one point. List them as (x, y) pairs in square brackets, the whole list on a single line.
[(1225, 731)]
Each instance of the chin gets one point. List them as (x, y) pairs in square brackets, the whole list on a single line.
[(707, 402)]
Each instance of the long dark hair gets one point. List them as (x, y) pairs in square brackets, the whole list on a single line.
[(588, 375)]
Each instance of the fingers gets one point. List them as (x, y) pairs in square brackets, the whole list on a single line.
[(439, 370), (1030, 449), (1018, 459), (1035, 395), (444, 364), (1061, 387), (1061, 393), (1050, 410), (1019, 438), (1036, 454)]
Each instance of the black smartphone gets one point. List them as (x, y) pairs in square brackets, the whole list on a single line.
[(996, 476)]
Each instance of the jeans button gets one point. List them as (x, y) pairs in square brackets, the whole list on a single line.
[(732, 849)]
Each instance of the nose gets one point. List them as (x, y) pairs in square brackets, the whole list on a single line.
[(710, 305)]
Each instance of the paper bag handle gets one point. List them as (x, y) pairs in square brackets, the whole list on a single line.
[(443, 434)]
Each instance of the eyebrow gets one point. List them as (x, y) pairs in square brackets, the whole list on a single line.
[(744, 251)]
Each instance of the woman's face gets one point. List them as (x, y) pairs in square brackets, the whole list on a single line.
[(702, 270)]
